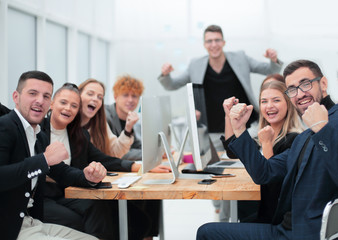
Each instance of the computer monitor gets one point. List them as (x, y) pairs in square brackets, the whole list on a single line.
[(205, 156), (198, 133), (156, 134)]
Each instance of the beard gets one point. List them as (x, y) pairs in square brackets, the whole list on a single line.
[(317, 99)]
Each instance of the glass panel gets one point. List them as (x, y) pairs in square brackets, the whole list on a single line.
[(56, 53), (83, 60), (102, 63), (21, 48)]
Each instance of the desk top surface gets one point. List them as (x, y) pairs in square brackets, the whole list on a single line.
[(240, 187)]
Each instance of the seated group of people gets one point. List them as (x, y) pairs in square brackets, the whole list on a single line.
[(67, 138), (75, 146), (49, 142)]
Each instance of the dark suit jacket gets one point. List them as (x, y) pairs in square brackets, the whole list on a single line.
[(269, 192), (305, 191), (18, 168), (87, 154), (3, 110), (135, 152)]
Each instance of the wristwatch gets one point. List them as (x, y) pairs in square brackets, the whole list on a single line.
[(128, 134)]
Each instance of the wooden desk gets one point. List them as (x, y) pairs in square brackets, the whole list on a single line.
[(240, 187)]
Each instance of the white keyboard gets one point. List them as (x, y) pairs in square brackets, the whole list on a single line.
[(126, 181)]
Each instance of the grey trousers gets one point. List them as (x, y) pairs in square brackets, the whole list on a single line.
[(33, 229)]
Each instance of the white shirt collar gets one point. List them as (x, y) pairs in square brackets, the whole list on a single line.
[(26, 124)]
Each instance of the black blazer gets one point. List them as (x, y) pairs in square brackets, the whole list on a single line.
[(18, 168), (3, 110), (87, 154)]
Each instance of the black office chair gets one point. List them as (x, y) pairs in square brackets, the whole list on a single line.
[(329, 229)]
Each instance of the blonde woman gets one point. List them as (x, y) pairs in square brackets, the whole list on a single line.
[(279, 124)]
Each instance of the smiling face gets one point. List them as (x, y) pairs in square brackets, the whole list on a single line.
[(214, 43), (33, 100), (91, 97), (126, 102), (273, 106), (305, 99), (65, 106)]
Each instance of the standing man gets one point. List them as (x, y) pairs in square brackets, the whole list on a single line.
[(121, 116), (222, 75), (25, 160), (308, 169)]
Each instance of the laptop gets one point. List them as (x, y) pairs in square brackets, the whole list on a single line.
[(226, 163), (215, 165)]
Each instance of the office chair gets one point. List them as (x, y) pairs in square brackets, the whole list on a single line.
[(329, 228)]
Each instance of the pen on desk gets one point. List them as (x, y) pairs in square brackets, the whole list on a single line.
[(224, 175)]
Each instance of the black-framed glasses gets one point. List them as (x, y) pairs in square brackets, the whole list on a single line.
[(305, 86)]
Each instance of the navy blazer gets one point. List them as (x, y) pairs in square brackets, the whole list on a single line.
[(18, 168), (307, 190)]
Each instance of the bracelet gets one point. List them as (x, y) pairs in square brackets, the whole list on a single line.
[(323, 121)]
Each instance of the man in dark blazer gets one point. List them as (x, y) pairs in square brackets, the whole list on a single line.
[(25, 159), (308, 169)]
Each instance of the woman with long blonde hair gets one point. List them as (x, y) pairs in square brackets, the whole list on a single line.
[(279, 124)]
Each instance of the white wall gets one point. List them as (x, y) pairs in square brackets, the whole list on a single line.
[(68, 39), (152, 32), (140, 36)]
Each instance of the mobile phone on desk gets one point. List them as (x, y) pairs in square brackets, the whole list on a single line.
[(224, 175), (207, 181), (102, 185), (111, 174)]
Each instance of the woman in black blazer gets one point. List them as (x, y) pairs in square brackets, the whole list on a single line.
[(279, 124)]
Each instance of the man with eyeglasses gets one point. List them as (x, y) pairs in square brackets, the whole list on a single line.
[(220, 75), (308, 169)]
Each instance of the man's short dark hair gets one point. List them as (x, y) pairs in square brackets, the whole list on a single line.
[(33, 74), (213, 28), (314, 68)]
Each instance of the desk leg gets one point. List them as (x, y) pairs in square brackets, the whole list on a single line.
[(161, 225), (233, 211), (123, 219)]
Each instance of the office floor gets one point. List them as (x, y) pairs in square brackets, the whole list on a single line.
[(183, 217)]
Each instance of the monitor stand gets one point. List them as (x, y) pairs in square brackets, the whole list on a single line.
[(174, 167), (172, 164), (180, 157)]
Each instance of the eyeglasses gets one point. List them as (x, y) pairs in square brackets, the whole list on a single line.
[(304, 86), (217, 41)]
